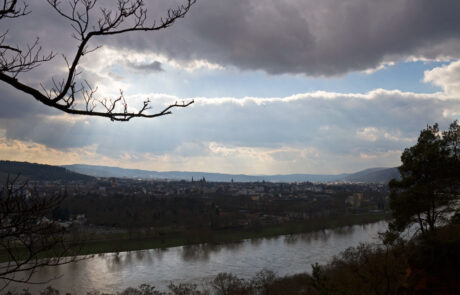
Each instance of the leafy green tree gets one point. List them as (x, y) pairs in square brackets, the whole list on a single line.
[(430, 173)]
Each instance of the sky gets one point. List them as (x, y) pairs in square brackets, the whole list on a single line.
[(280, 86)]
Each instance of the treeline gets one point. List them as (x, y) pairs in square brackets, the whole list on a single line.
[(214, 212), (125, 211)]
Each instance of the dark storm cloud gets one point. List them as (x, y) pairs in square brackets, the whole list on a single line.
[(325, 37), (17, 105), (146, 68)]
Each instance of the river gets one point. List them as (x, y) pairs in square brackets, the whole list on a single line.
[(284, 255)]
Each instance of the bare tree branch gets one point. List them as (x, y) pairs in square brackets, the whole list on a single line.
[(129, 16), (10, 9), (27, 237)]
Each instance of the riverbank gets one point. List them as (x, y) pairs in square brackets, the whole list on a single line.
[(423, 265), (198, 236), (285, 255), (131, 241)]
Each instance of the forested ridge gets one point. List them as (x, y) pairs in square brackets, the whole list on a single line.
[(39, 172)]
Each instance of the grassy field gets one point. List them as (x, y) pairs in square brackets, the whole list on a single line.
[(124, 241)]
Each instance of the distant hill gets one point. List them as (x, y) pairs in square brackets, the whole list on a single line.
[(31, 171), (87, 172), (373, 175), (105, 171)]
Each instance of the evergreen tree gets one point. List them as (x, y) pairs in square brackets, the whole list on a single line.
[(430, 174)]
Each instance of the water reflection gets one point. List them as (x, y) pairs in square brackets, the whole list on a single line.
[(196, 252), (307, 238), (287, 254), (346, 230), (256, 241)]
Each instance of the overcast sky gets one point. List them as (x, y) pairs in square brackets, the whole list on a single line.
[(280, 86)]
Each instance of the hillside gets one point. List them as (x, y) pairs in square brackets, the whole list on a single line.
[(87, 172), (105, 171), (40, 172), (373, 175)]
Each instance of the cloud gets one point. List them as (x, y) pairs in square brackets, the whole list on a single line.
[(317, 38), (373, 134), (219, 158), (447, 77), (154, 66), (15, 104), (315, 132), (368, 133), (319, 132), (18, 150)]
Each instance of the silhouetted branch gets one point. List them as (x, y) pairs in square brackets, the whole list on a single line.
[(21, 61), (27, 237), (10, 9), (129, 16)]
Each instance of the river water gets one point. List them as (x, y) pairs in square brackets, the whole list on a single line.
[(198, 264)]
